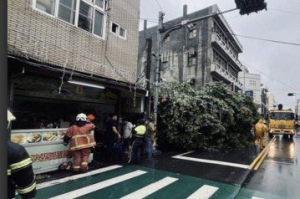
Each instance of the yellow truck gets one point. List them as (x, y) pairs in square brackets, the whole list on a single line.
[(282, 122)]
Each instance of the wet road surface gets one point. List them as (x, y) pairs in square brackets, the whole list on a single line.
[(280, 172), (190, 175)]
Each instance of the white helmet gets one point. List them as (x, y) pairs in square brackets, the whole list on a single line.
[(10, 117), (81, 117)]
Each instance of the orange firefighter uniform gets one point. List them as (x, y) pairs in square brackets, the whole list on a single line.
[(260, 130), (81, 142)]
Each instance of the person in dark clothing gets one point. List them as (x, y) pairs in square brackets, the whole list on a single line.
[(112, 135), (20, 176)]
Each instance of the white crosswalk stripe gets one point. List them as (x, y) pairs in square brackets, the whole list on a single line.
[(55, 182), (92, 188), (256, 197), (204, 192), (146, 191)]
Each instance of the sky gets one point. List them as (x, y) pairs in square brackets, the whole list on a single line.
[(278, 64)]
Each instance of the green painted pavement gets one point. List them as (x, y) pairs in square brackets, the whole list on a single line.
[(184, 187)]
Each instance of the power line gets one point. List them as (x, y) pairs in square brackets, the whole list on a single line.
[(269, 76), (269, 40), (159, 5), (285, 11)]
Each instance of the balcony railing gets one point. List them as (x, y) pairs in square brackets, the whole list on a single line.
[(225, 74), (216, 38)]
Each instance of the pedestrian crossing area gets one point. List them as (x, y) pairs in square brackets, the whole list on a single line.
[(136, 182)]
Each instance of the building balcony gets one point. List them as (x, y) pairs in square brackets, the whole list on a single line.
[(224, 48), (225, 75)]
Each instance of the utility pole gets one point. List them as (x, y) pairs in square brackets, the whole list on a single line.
[(148, 72), (158, 60)]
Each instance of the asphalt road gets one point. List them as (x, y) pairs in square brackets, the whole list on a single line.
[(280, 172), (225, 174)]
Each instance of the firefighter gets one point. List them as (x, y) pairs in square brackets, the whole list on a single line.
[(81, 142), (138, 143), (260, 130), (19, 169)]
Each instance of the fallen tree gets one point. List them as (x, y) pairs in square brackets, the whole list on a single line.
[(211, 119)]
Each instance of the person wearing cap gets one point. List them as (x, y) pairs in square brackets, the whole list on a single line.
[(81, 142), (19, 169), (138, 143)]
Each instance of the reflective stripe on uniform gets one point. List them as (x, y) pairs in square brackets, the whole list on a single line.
[(8, 172), (20, 164), (141, 130), (27, 189), (76, 141), (83, 146)]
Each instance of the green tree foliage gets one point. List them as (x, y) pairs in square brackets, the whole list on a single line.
[(212, 119)]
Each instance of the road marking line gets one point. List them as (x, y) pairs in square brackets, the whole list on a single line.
[(204, 192), (59, 181), (92, 188), (244, 166), (146, 191), (260, 154), (185, 153), (256, 197), (264, 156)]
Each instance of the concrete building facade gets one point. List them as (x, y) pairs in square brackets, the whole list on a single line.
[(198, 53), (297, 109), (72, 56), (92, 36), (271, 102), (251, 82)]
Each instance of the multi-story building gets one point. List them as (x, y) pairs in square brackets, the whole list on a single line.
[(201, 52), (271, 102), (264, 102), (251, 82), (297, 109), (72, 56)]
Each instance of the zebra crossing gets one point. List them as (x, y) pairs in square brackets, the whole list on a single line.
[(135, 182)]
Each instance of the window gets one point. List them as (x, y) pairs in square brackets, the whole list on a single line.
[(192, 61), (47, 6), (122, 32), (192, 34), (98, 25), (85, 19), (67, 10), (192, 58), (88, 15), (118, 30), (99, 3), (114, 28)]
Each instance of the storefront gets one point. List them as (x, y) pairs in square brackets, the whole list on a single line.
[(45, 106)]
